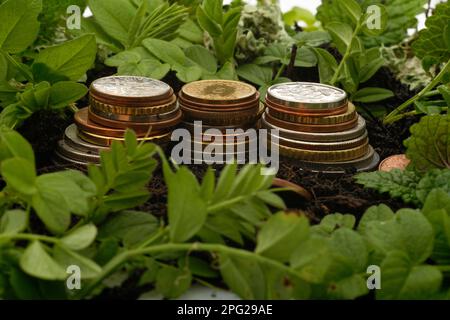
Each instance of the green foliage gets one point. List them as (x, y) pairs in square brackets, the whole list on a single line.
[(345, 22), (221, 27)]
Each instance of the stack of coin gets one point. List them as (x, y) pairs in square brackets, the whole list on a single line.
[(222, 105), (117, 103), (318, 127)]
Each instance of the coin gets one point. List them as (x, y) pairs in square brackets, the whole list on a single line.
[(130, 89), (218, 91), (307, 112), (84, 123), (106, 141), (61, 160), (325, 146), (140, 127), (324, 120), (71, 153), (72, 139), (399, 161), (219, 107), (311, 128), (137, 118), (224, 118), (307, 95), (135, 110), (195, 126), (324, 156), (353, 133)]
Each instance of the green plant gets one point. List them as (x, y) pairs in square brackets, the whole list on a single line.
[(432, 47), (358, 63), (49, 80), (428, 150)]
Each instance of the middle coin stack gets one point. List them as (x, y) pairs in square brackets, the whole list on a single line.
[(318, 127), (224, 106), (117, 103)]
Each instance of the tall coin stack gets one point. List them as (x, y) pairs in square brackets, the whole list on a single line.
[(117, 103), (318, 128), (220, 105)]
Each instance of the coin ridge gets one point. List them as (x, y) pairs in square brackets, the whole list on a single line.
[(136, 110), (321, 156)]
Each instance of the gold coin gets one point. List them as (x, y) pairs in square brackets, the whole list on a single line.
[(326, 120), (107, 141), (324, 156), (134, 110), (218, 91)]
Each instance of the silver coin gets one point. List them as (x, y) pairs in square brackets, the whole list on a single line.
[(307, 95), (67, 151), (354, 133), (61, 160), (130, 87), (72, 139), (324, 146)]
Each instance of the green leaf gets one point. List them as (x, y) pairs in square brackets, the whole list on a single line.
[(71, 59), (255, 74), (131, 227), (375, 213), (341, 34), (398, 183), (332, 222), (186, 209), (207, 23), (327, 65), (114, 17), (66, 258), (352, 9), (13, 221), (429, 43), (20, 25), (123, 58), (281, 235), (409, 232), (368, 95), (151, 68), (165, 51), (20, 175), (188, 74), (36, 262), (173, 282), (80, 238), (121, 201), (12, 144), (403, 280), (202, 57), (66, 92), (244, 277), (429, 144)]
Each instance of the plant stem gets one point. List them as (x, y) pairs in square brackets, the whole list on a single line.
[(280, 72), (347, 54), (120, 259), (393, 116), (30, 237)]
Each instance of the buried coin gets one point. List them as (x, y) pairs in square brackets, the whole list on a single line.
[(399, 161), (307, 96)]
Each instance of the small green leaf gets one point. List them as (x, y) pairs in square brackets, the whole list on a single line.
[(13, 221), (341, 34), (36, 262), (12, 144), (255, 74), (165, 51), (66, 258), (327, 65), (173, 282), (368, 95), (66, 92), (281, 235), (20, 175), (80, 238)]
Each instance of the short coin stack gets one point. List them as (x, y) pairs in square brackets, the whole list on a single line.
[(318, 127), (117, 103), (220, 105)]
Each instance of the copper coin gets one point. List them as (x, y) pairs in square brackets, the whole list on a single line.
[(196, 126), (84, 123), (323, 120), (136, 118), (219, 107), (130, 89), (311, 128), (218, 92), (399, 161), (135, 110), (307, 95), (106, 141), (139, 127), (308, 113)]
